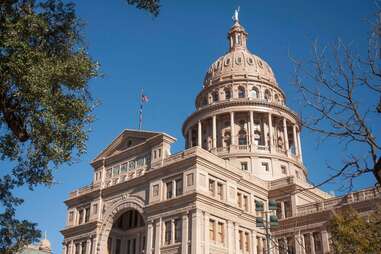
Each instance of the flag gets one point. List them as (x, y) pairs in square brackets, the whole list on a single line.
[(143, 99)]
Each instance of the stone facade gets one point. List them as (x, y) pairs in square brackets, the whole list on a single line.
[(242, 145)]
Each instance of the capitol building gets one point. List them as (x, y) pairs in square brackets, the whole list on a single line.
[(240, 185)]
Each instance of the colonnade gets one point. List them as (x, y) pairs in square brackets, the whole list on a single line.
[(271, 141)]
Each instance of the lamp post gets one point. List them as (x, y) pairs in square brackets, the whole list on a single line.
[(268, 220)]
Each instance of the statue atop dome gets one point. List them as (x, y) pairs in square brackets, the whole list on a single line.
[(235, 17)]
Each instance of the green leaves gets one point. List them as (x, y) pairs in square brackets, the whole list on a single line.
[(352, 233), (45, 103)]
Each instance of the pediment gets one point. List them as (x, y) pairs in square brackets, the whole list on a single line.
[(128, 138)]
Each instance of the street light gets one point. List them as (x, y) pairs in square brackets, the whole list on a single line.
[(267, 220)]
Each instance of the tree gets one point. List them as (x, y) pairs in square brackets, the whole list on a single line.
[(351, 233), (45, 104), (341, 92)]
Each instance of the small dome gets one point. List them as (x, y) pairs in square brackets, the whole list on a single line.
[(239, 61), (45, 245)]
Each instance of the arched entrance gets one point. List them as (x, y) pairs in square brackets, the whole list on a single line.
[(116, 225), (127, 235)]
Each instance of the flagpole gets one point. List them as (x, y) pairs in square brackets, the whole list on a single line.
[(141, 110)]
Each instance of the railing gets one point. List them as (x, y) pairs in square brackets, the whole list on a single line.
[(84, 190), (367, 194)]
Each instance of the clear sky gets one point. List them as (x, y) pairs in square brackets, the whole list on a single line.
[(168, 57)]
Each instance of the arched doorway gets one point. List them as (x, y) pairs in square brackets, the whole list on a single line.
[(127, 235)]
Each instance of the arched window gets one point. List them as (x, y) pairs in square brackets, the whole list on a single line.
[(254, 93), (227, 94), (215, 96), (276, 97), (242, 137), (241, 92), (267, 95)]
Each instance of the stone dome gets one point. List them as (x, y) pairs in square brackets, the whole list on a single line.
[(239, 62), (45, 245)]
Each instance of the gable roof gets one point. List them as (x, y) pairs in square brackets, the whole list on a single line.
[(120, 143)]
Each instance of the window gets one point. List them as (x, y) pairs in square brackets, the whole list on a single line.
[(245, 203), (241, 92), (254, 92), (279, 210), (284, 170), (244, 166), (211, 187), (80, 217), (239, 199), (317, 241), (159, 153), (190, 179), (241, 239), (212, 230), (221, 232), (297, 174), (287, 209), (267, 95), (155, 190), (87, 214), (118, 246), (178, 230), (179, 187), (242, 137), (168, 232), (220, 191), (247, 243), (265, 165), (227, 94), (169, 190), (215, 96), (115, 170)]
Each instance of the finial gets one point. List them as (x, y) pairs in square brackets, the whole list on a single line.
[(236, 14)]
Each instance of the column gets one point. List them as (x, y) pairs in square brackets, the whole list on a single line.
[(196, 236), (199, 136), (232, 128), (190, 138), (312, 243), (298, 244), (149, 239), (184, 234), (230, 237), (206, 232), (157, 236), (283, 215), (325, 241), (295, 140), (253, 242), (285, 136), (88, 246), (300, 147), (214, 131), (251, 127), (172, 231), (236, 237), (270, 131)]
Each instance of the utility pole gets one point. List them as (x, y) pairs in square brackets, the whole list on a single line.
[(268, 219)]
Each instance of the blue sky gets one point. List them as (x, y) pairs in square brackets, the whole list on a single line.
[(168, 57)]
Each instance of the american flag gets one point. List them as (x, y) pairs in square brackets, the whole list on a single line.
[(143, 99)]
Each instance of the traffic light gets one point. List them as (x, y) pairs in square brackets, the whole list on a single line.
[(272, 205), (274, 221), (259, 206), (259, 222)]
